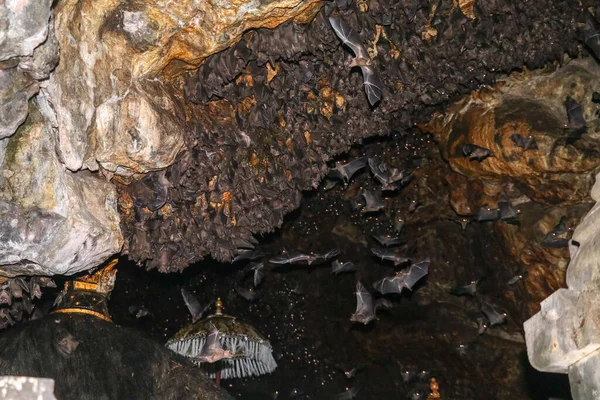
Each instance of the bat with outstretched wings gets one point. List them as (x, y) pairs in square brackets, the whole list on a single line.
[(365, 312), (349, 37), (403, 279)]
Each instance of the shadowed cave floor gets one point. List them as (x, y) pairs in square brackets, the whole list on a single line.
[(311, 332)]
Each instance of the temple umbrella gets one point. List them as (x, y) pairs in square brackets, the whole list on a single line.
[(252, 353)]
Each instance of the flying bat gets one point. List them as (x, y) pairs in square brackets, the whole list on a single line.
[(248, 255), (516, 278), (526, 143), (577, 125), (475, 152), (373, 201), (328, 184), (424, 374), (492, 315), (390, 255), (398, 223), (506, 209), (193, 305), (557, 237), (467, 290), (293, 258), (413, 205), (591, 34), (139, 312), (248, 294), (487, 214), (330, 254), (349, 394), (365, 312), (349, 37), (345, 172), (403, 279), (212, 350), (388, 179), (387, 241), (482, 325), (339, 267), (350, 373)]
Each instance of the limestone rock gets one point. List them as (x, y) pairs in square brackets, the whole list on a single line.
[(52, 221), (115, 106), (584, 378), (26, 388), (23, 26)]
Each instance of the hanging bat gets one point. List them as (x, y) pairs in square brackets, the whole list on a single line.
[(408, 374), (365, 312), (467, 290), (350, 373), (67, 344), (339, 267), (526, 143), (506, 209), (403, 279), (591, 34), (248, 294), (475, 152), (345, 172), (482, 325), (398, 223), (390, 255), (5, 297), (577, 125), (350, 37), (387, 241), (373, 201), (487, 214), (557, 237), (193, 305), (349, 394), (212, 350), (492, 315), (516, 278), (248, 255), (462, 221)]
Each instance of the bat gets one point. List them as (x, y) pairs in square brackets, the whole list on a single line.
[(487, 214), (492, 315), (475, 152), (388, 179), (373, 201), (293, 258), (462, 221), (248, 255), (383, 303), (351, 373), (328, 184), (526, 143), (390, 255), (424, 375), (467, 290), (461, 349), (591, 34), (408, 374), (138, 312), (349, 37), (339, 267), (327, 256), (403, 279), (349, 394), (345, 172), (387, 241), (506, 209), (193, 305), (248, 294), (5, 297), (398, 223), (378, 171), (259, 273), (212, 350), (516, 278), (35, 291), (413, 205), (365, 312), (577, 125), (482, 325), (296, 393), (557, 238), (67, 345)]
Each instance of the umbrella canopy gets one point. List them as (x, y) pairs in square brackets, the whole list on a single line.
[(252, 353)]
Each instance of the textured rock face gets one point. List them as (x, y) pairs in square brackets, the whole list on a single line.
[(52, 221)]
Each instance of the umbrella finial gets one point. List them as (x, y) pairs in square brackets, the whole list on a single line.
[(219, 306)]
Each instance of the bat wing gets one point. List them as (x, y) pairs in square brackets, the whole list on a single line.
[(492, 315), (259, 274), (192, 304), (373, 84), (416, 272), (388, 285), (289, 259), (247, 294), (349, 37), (591, 34), (381, 253), (353, 166), (335, 173)]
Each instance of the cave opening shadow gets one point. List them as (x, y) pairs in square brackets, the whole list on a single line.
[(545, 385)]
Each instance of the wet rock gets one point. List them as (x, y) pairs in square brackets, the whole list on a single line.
[(52, 221)]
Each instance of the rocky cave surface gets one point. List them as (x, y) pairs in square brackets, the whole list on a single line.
[(177, 134)]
